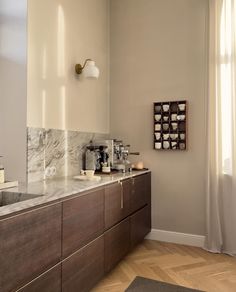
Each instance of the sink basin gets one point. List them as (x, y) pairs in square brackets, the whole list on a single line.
[(8, 198)]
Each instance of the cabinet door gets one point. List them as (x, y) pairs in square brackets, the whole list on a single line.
[(117, 243), (117, 202), (82, 270), (30, 245), (140, 225), (140, 194), (49, 281), (83, 220)]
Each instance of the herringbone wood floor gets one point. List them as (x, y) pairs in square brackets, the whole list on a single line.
[(177, 264)]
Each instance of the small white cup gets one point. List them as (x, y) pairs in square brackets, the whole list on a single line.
[(174, 117), (182, 136), (157, 108), (165, 107), (182, 146), (157, 118), (181, 117), (182, 106), (166, 145), (106, 169), (158, 136), (89, 172), (173, 136), (174, 126), (157, 127), (157, 145), (174, 145), (166, 136), (165, 127), (165, 118)]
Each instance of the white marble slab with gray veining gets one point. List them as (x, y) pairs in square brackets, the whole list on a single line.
[(58, 189), (56, 148)]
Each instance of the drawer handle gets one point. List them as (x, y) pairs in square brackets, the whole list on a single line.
[(121, 196)]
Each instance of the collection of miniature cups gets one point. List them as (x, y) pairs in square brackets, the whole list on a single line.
[(166, 107), (174, 117), (165, 126), (166, 145), (172, 136)]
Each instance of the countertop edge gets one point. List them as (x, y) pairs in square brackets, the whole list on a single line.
[(57, 190)]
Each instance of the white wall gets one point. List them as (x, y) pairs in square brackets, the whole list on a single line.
[(158, 53), (13, 47), (62, 33)]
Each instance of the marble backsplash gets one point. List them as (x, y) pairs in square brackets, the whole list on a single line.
[(56, 148)]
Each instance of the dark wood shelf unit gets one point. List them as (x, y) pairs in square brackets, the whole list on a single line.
[(170, 133)]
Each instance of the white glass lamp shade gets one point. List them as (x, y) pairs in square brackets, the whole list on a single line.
[(90, 70)]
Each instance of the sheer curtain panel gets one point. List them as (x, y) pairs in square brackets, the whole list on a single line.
[(221, 186)]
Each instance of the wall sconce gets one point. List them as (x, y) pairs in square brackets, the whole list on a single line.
[(89, 69)]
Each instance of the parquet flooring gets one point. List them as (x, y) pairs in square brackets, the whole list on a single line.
[(172, 263)]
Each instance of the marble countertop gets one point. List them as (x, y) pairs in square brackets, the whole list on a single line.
[(58, 189)]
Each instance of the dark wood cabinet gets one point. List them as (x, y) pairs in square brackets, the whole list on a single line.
[(83, 220), (117, 243), (30, 244), (49, 281), (140, 225), (83, 269), (140, 193), (67, 246), (117, 202)]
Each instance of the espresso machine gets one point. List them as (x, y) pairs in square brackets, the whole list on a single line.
[(120, 156), (96, 156), (110, 152)]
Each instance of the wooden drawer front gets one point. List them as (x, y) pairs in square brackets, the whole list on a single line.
[(139, 196), (83, 220), (49, 281), (30, 245), (117, 243), (117, 202), (140, 225), (82, 270)]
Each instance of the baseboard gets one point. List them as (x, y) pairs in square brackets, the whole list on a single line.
[(176, 237)]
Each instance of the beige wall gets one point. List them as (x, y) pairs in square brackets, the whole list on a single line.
[(158, 53), (62, 33), (13, 45)]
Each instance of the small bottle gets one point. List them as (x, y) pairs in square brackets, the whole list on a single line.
[(2, 173)]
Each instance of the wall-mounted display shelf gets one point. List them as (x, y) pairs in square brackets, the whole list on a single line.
[(170, 125)]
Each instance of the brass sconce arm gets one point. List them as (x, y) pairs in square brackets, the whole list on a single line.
[(79, 68)]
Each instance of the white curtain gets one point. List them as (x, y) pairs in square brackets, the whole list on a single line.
[(221, 187)]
